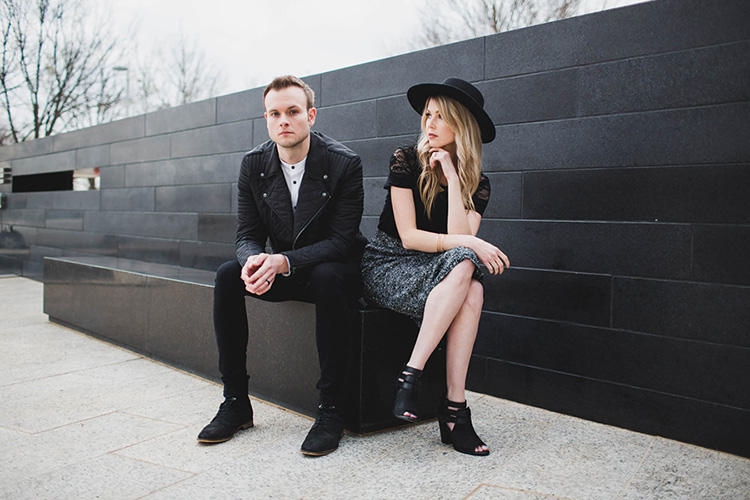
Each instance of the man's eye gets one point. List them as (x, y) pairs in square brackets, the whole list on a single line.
[(293, 112)]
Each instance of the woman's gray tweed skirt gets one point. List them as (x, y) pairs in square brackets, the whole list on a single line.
[(400, 279)]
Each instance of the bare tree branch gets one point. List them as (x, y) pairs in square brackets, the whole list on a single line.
[(55, 64), (450, 20)]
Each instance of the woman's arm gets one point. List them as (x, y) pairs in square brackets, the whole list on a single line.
[(460, 220), (426, 241)]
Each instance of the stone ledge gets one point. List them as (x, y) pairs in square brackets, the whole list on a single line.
[(165, 312)]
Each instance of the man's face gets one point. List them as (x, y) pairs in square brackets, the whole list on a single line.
[(287, 117)]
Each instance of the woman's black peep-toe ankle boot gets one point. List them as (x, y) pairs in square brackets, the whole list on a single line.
[(462, 437), (406, 394)]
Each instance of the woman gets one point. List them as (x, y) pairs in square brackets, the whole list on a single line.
[(424, 259)]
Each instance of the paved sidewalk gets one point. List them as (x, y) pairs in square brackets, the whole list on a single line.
[(80, 418)]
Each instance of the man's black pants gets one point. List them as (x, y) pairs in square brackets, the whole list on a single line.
[(331, 286)]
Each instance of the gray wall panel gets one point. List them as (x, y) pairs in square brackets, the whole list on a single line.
[(54, 162), (129, 199), (193, 115), (226, 138), (120, 130), (240, 106), (393, 76), (95, 156), (139, 150), (208, 198), (687, 78), (185, 171), (64, 219), (165, 225)]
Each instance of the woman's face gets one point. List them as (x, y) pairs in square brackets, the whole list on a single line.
[(438, 133)]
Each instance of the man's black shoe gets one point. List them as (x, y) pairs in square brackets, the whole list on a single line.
[(325, 434), (234, 414)]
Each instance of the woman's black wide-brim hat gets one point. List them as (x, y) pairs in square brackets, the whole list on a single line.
[(460, 90)]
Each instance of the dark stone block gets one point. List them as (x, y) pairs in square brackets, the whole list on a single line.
[(217, 228), (225, 138), (235, 202), (97, 300), (128, 199), (546, 96), (53, 162), (203, 198), (24, 217), (374, 195), (382, 345), (240, 106), (369, 226), (24, 149), (112, 177), (647, 28), (577, 298), (187, 116), (119, 130), (68, 200), (180, 326), (350, 121), (648, 250), (96, 156), (10, 264), (394, 76), (476, 379), (705, 424), (722, 253), (706, 193), (64, 219), (395, 116), (140, 150), (687, 136), (158, 250), (205, 255), (212, 169), (376, 153), (281, 360), (710, 313), (171, 321), (698, 370), (164, 225), (506, 195), (664, 81), (78, 242), (260, 133)]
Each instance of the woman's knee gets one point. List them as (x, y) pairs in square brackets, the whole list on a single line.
[(475, 296), (463, 271)]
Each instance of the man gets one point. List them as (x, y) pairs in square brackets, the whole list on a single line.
[(303, 192)]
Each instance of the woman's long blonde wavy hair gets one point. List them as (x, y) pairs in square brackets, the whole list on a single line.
[(468, 150)]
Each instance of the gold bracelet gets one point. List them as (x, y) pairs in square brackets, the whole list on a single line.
[(441, 247)]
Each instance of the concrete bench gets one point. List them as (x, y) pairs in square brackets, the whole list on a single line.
[(165, 312)]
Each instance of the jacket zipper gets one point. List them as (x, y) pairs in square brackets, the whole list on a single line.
[(294, 244)]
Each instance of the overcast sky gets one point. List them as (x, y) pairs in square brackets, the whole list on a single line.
[(251, 41)]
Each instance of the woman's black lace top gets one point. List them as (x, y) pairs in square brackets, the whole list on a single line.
[(404, 173)]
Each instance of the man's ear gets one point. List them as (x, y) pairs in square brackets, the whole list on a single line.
[(311, 115)]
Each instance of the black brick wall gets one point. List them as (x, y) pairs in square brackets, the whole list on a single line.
[(621, 192)]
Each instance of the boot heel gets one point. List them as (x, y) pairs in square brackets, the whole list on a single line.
[(445, 432)]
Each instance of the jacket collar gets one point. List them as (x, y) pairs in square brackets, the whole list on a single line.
[(313, 192)]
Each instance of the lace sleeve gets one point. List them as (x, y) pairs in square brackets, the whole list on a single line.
[(402, 169), (482, 195)]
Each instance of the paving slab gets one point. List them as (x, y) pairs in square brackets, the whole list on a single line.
[(80, 418)]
